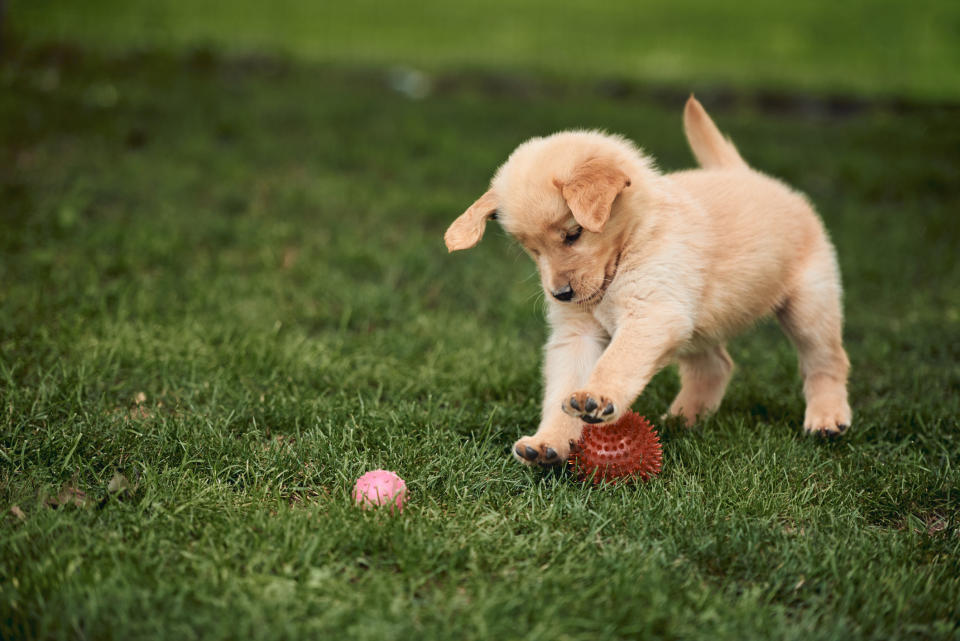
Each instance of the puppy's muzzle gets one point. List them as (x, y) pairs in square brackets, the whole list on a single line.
[(564, 294)]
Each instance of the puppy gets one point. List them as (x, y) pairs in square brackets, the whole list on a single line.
[(642, 269)]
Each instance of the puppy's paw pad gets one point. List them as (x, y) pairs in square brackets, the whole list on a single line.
[(531, 451), (590, 407)]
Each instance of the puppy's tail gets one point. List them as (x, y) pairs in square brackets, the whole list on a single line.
[(712, 150)]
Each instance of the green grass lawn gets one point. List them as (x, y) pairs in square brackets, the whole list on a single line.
[(223, 285), (892, 48)]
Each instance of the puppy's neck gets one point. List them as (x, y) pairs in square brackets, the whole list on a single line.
[(643, 217)]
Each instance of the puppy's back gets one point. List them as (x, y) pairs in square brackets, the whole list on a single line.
[(759, 233)]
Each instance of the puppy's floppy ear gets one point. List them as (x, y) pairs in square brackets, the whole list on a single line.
[(467, 230), (591, 190)]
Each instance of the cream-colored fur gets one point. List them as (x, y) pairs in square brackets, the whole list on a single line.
[(642, 269)]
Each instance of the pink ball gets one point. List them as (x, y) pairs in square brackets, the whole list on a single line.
[(380, 487)]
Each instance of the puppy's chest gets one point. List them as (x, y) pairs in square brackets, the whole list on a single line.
[(605, 313)]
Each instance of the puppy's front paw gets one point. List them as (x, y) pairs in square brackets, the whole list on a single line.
[(591, 408), (533, 450)]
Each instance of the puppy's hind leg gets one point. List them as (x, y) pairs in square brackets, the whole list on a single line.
[(704, 377), (813, 319)]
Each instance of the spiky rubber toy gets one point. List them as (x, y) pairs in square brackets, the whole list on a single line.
[(621, 451)]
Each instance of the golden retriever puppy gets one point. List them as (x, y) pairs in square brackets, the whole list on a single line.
[(642, 269)]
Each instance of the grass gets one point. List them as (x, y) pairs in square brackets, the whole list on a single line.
[(225, 296), (889, 48)]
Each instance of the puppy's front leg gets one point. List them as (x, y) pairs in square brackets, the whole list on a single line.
[(644, 342), (576, 343)]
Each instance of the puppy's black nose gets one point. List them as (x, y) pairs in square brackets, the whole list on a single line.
[(565, 293)]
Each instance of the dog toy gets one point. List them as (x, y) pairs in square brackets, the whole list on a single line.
[(627, 449), (380, 487)]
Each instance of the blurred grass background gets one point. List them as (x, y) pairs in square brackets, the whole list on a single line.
[(876, 47)]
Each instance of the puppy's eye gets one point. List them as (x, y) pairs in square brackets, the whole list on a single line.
[(570, 237)]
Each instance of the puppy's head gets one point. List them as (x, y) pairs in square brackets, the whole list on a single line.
[(564, 198)]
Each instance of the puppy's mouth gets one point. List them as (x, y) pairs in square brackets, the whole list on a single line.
[(609, 273)]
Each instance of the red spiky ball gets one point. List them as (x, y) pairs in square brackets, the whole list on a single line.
[(629, 448)]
